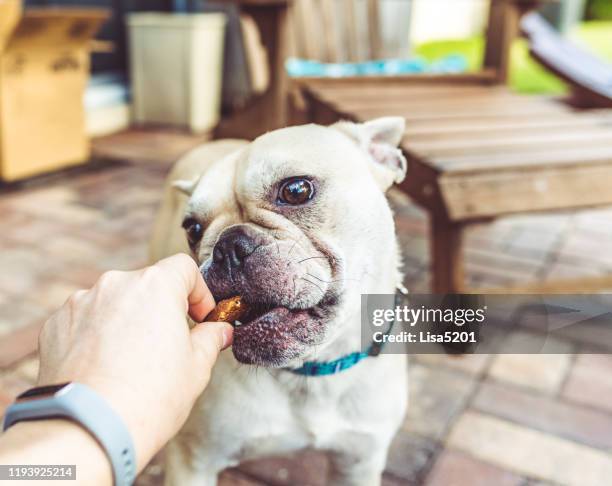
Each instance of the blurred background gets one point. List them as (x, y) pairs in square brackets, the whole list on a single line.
[(508, 106)]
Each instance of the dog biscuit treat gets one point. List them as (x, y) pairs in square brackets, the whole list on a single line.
[(228, 310)]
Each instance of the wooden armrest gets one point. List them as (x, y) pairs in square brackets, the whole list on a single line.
[(503, 28)]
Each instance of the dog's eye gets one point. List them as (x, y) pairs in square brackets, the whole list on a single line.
[(194, 231), (295, 191)]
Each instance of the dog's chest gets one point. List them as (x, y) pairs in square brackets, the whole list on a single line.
[(314, 419)]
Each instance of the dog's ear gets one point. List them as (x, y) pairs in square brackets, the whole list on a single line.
[(186, 187), (379, 139)]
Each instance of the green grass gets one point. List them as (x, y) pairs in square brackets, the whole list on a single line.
[(600, 9), (526, 75)]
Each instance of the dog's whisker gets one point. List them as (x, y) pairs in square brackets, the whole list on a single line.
[(310, 258), (333, 281), (296, 242), (312, 283)]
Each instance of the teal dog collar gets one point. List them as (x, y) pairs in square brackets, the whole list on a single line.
[(325, 368)]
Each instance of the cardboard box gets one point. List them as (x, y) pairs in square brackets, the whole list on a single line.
[(44, 68)]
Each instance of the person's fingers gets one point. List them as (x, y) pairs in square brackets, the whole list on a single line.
[(210, 338), (184, 269), (201, 301)]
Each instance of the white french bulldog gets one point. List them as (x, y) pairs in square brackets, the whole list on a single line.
[(296, 223)]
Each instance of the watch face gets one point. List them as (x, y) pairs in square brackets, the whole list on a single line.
[(41, 391)]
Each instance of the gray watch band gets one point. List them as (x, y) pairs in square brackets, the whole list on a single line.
[(84, 406)]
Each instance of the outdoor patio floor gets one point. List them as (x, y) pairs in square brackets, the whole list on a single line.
[(476, 420)]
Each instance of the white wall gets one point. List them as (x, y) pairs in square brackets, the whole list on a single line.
[(447, 19)]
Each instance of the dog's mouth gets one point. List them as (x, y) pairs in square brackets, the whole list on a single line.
[(254, 312), (269, 334)]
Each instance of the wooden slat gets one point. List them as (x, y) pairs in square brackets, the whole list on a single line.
[(468, 113), (473, 196), (374, 30), (458, 104), (350, 31), (350, 99), (319, 87), (483, 77), (328, 22), (349, 92), (299, 43), (579, 285), (431, 133), (511, 142), (310, 29), (554, 157), (452, 128)]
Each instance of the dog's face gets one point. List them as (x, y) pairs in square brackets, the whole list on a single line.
[(296, 224)]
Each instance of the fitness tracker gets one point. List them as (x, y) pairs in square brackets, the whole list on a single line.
[(84, 406)]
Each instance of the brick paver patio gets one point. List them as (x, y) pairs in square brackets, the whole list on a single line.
[(474, 421)]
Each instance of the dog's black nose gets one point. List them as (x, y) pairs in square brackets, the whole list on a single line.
[(233, 247)]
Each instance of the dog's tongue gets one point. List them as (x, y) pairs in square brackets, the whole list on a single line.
[(228, 310)]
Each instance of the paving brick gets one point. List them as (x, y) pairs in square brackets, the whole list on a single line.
[(472, 364), (65, 212), (530, 452), (436, 396), (512, 265), (570, 421), (40, 197), (83, 276), (151, 144), (153, 475), (304, 468), (18, 345), (492, 235), (21, 313), (54, 293), (544, 372), (590, 381), (36, 231), (11, 385), (409, 226), (130, 257), (22, 269), (410, 457), (27, 369), (454, 468), (595, 334), (72, 249), (10, 217), (562, 271), (533, 238)]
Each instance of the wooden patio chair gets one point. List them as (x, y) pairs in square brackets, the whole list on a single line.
[(308, 29), (476, 150)]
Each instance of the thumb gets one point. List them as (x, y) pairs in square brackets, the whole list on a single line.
[(209, 339)]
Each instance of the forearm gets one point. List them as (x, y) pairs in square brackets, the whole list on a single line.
[(56, 442)]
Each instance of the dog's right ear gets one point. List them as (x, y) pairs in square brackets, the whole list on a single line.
[(186, 187)]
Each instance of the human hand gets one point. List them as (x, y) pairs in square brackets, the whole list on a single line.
[(128, 339)]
